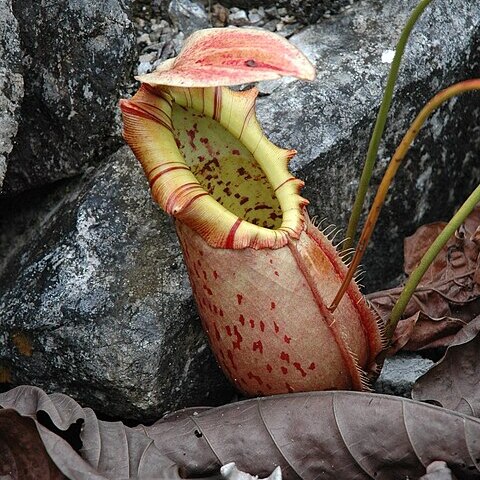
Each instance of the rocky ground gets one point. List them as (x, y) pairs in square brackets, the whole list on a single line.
[(94, 296), (161, 38), (161, 32)]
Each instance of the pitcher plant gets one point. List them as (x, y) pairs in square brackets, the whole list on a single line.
[(262, 274)]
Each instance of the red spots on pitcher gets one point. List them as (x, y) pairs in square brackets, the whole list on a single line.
[(191, 135), (289, 387), (276, 273), (228, 329), (298, 366), (269, 368), (276, 327), (258, 345), (220, 312), (284, 370), (215, 274), (285, 357), (241, 319), (236, 344), (230, 357), (204, 273), (287, 339), (251, 376), (207, 289), (217, 333), (312, 366), (196, 271), (235, 152), (262, 326), (215, 309), (239, 298), (252, 323), (243, 173), (272, 306), (204, 140)]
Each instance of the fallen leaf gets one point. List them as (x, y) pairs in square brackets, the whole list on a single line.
[(454, 382), (22, 453), (448, 296), (329, 435), (109, 449), (420, 332)]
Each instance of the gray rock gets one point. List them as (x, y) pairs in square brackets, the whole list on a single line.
[(238, 18), (188, 16), (306, 11), (94, 296), (151, 8), (11, 82), (329, 121), (78, 57), (256, 15), (96, 303), (400, 372)]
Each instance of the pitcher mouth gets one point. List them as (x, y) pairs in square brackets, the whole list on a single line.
[(210, 165)]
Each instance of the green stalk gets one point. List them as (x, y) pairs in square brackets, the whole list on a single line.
[(392, 169), (427, 260), (380, 124)]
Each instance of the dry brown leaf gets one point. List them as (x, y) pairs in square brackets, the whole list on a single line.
[(22, 453), (110, 450), (454, 382), (330, 435), (448, 296)]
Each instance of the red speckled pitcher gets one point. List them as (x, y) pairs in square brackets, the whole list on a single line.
[(262, 274)]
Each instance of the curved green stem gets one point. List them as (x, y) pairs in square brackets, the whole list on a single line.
[(393, 166), (380, 124), (427, 259)]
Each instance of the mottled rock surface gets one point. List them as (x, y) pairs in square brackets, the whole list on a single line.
[(94, 297), (306, 11), (400, 372), (151, 8), (96, 303), (329, 121), (188, 16), (78, 57), (11, 82)]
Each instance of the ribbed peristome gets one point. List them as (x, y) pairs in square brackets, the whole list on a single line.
[(210, 165)]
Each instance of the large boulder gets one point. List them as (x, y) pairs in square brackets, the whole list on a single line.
[(94, 296), (96, 303), (11, 82), (78, 55), (329, 121)]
